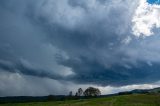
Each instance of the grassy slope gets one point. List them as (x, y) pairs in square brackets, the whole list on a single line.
[(127, 100)]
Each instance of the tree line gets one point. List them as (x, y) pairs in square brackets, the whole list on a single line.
[(89, 92)]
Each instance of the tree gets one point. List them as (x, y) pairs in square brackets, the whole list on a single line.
[(70, 93), (91, 91), (76, 94), (80, 92)]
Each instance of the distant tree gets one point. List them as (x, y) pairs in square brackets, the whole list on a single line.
[(80, 92), (76, 94), (91, 91), (70, 93)]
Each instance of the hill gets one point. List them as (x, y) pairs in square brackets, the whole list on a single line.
[(155, 90), (141, 91)]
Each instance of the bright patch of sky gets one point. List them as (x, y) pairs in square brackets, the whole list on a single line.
[(153, 1), (146, 18)]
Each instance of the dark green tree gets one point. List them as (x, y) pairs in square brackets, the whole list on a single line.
[(76, 94), (70, 93), (91, 91), (80, 92)]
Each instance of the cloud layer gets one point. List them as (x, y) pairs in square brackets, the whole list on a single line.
[(146, 18), (77, 43)]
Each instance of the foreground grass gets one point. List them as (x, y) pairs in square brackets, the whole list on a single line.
[(126, 100)]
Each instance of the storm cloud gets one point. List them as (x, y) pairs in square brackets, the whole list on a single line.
[(82, 42)]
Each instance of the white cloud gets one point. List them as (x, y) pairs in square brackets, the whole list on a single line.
[(145, 19), (112, 90), (127, 40)]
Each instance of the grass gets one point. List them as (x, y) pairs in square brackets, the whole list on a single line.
[(125, 100)]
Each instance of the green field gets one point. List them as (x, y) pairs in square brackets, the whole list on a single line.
[(125, 100)]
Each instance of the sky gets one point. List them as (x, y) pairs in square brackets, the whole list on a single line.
[(153, 1), (56, 46)]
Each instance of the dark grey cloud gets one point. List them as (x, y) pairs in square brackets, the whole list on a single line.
[(21, 68), (95, 73), (84, 42)]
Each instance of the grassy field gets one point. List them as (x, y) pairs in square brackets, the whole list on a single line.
[(125, 100)]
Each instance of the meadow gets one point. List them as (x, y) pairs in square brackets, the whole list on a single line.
[(122, 100)]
